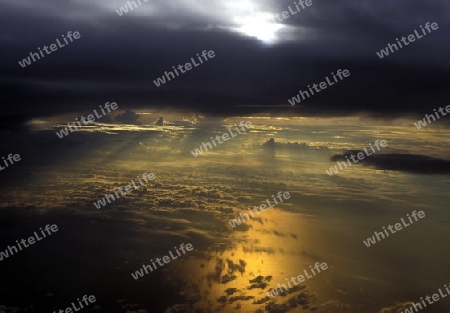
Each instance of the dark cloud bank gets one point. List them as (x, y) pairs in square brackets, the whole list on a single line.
[(411, 163), (118, 57)]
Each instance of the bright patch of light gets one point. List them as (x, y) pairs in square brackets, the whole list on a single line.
[(252, 20), (260, 26)]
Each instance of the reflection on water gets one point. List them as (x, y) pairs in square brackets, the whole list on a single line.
[(262, 254)]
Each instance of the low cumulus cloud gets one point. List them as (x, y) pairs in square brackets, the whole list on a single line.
[(128, 117)]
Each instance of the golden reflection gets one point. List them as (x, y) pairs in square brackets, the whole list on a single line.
[(263, 252)]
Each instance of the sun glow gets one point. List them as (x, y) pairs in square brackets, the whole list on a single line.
[(259, 26), (253, 20)]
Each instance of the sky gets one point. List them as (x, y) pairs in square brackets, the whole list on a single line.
[(118, 57)]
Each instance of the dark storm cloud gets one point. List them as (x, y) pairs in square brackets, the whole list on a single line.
[(411, 163), (118, 57)]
